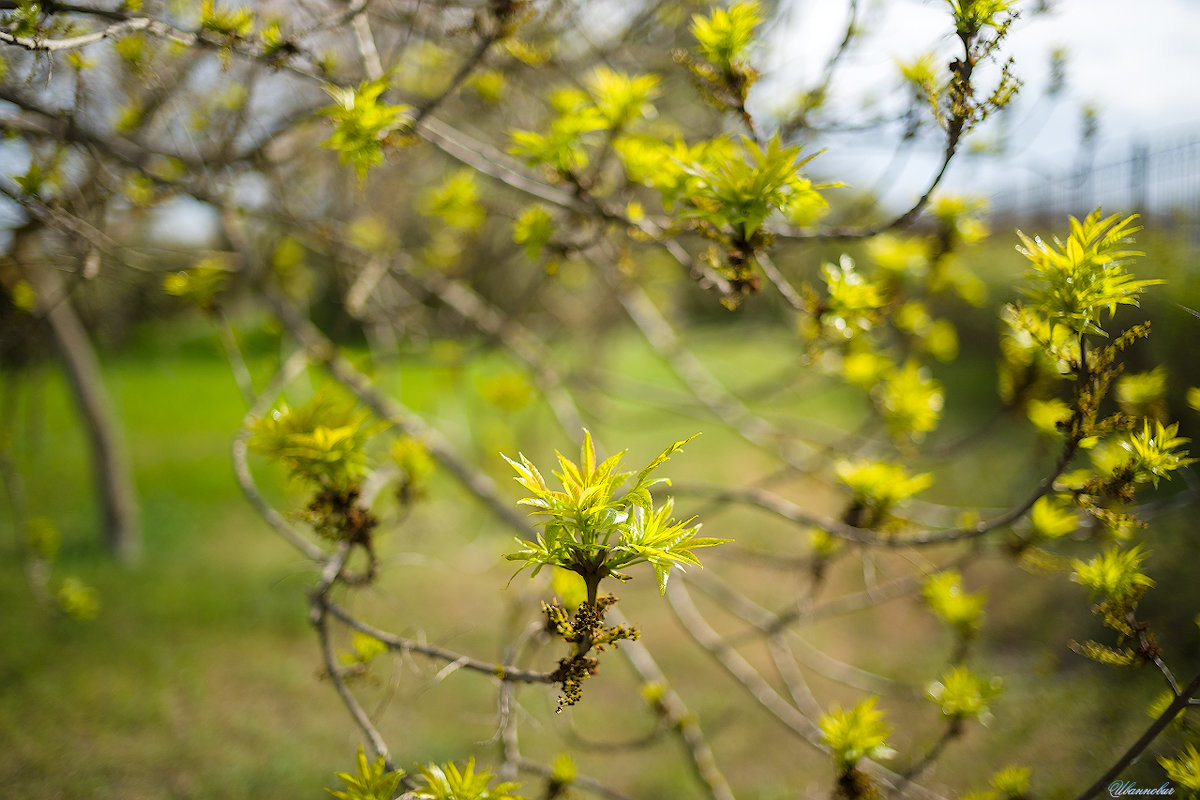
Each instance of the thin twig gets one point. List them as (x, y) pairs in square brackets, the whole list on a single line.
[(319, 599), (517, 339), (675, 712), (366, 46), (241, 467), (1181, 701), (760, 690), (72, 42), (502, 672), (790, 511), (325, 352), (781, 283), (770, 626), (237, 362)]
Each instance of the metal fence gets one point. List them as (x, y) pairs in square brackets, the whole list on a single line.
[(1161, 182)]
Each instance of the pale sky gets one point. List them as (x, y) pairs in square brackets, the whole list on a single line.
[(1138, 64)]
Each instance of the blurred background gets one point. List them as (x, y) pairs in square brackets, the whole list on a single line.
[(190, 670)]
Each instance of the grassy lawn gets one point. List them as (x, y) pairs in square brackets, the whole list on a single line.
[(200, 678), (200, 658)]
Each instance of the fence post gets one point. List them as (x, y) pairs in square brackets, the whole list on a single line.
[(1139, 169)]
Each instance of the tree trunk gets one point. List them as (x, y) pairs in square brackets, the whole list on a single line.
[(110, 463)]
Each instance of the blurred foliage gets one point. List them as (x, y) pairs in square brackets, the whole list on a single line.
[(856, 733), (384, 211)]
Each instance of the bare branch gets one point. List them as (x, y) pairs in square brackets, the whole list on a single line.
[(516, 338), (780, 282), (241, 467), (790, 511), (502, 672), (38, 44), (366, 46), (324, 352), (1181, 701), (767, 697), (676, 713), (319, 600)]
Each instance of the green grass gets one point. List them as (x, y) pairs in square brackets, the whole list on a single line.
[(201, 657), (200, 677)]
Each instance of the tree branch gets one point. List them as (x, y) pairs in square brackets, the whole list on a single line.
[(38, 44), (502, 672), (1181, 701)]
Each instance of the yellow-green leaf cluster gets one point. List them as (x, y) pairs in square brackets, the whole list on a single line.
[(272, 38), (455, 201), (865, 368), (533, 228), (1184, 769), (855, 733), (321, 443), (77, 600), (737, 195), (488, 84), (899, 255), (563, 770), (1081, 278), (1155, 451), (938, 337), (1050, 518), (134, 51), (911, 400), (361, 123), (564, 147), (594, 528), (853, 302), (952, 604), (448, 782), (220, 19), (1114, 574), (621, 98), (971, 16), (962, 217), (921, 75), (412, 458), (1048, 416), (371, 781), (1012, 781), (201, 283), (963, 695), (724, 37), (879, 485), (363, 650), (1140, 394), (1035, 351), (23, 297), (671, 167)]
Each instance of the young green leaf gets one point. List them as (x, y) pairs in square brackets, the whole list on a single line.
[(1114, 574), (595, 529), (371, 781), (724, 37), (448, 782), (361, 123), (855, 733), (1081, 278)]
